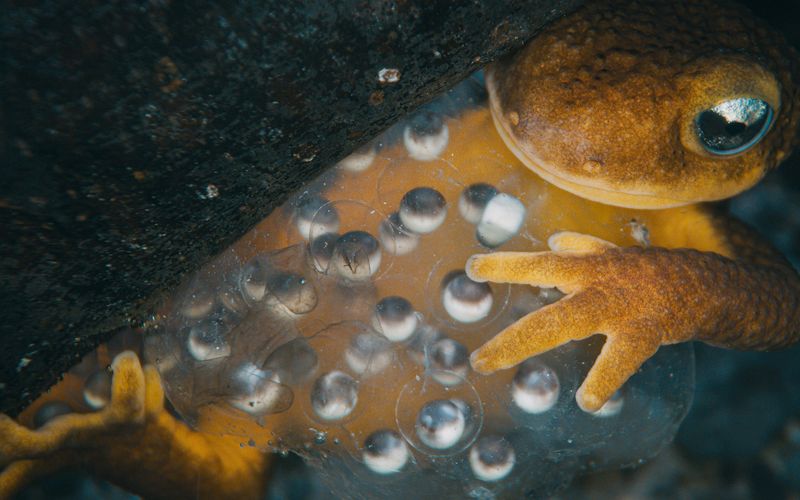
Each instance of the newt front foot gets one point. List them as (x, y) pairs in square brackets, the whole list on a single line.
[(636, 297), (127, 407), (136, 395), (135, 443)]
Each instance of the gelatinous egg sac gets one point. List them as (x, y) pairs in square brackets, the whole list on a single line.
[(356, 255), (449, 361), (293, 291), (440, 424), (491, 458), (473, 201), (293, 361), (423, 210), (395, 237), (359, 160), (334, 396), (535, 387), (426, 136), (341, 328), (253, 280), (258, 392), (321, 250), (501, 219), (395, 318), (198, 303), (97, 389), (206, 339), (385, 452), (368, 354), (465, 300), (314, 216)]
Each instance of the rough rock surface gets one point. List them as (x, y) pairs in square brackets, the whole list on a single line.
[(138, 139)]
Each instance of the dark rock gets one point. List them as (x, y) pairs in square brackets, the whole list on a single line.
[(139, 139)]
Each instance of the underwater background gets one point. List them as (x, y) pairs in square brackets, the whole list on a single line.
[(741, 439)]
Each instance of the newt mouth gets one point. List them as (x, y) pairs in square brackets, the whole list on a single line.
[(594, 191)]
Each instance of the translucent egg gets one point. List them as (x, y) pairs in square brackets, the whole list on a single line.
[(340, 328), (385, 452), (535, 388), (334, 395), (491, 458), (473, 201), (423, 210), (395, 318), (440, 424), (426, 136), (356, 255), (97, 389), (465, 300)]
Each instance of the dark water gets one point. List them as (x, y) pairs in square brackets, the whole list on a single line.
[(740, 440)]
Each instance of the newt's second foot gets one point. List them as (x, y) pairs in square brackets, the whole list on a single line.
[(636, 297), (134, 442)]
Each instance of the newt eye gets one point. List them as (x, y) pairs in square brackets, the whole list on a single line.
[(734, 126)]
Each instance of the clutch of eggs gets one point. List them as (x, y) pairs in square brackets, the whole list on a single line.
[(340, 329)]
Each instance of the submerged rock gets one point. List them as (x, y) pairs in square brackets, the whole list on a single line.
[(138, 140)]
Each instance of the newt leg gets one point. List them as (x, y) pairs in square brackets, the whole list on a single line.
[(127, 407), (574, 317), (640, 299), (133, 442)]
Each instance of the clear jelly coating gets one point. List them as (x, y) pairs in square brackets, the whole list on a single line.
[(340, 327)]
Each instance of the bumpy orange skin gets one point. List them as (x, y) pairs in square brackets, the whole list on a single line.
[(135, 443), (640, 298), (603, 105), (582, 98), (604, 101)]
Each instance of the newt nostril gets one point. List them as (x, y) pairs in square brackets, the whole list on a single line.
[(592, 166)]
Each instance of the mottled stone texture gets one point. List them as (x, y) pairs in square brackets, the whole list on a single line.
[(138, 139)]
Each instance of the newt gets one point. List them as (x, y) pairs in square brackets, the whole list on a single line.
[(623, 111)]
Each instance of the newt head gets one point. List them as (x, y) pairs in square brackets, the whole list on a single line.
[(653, 105)]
